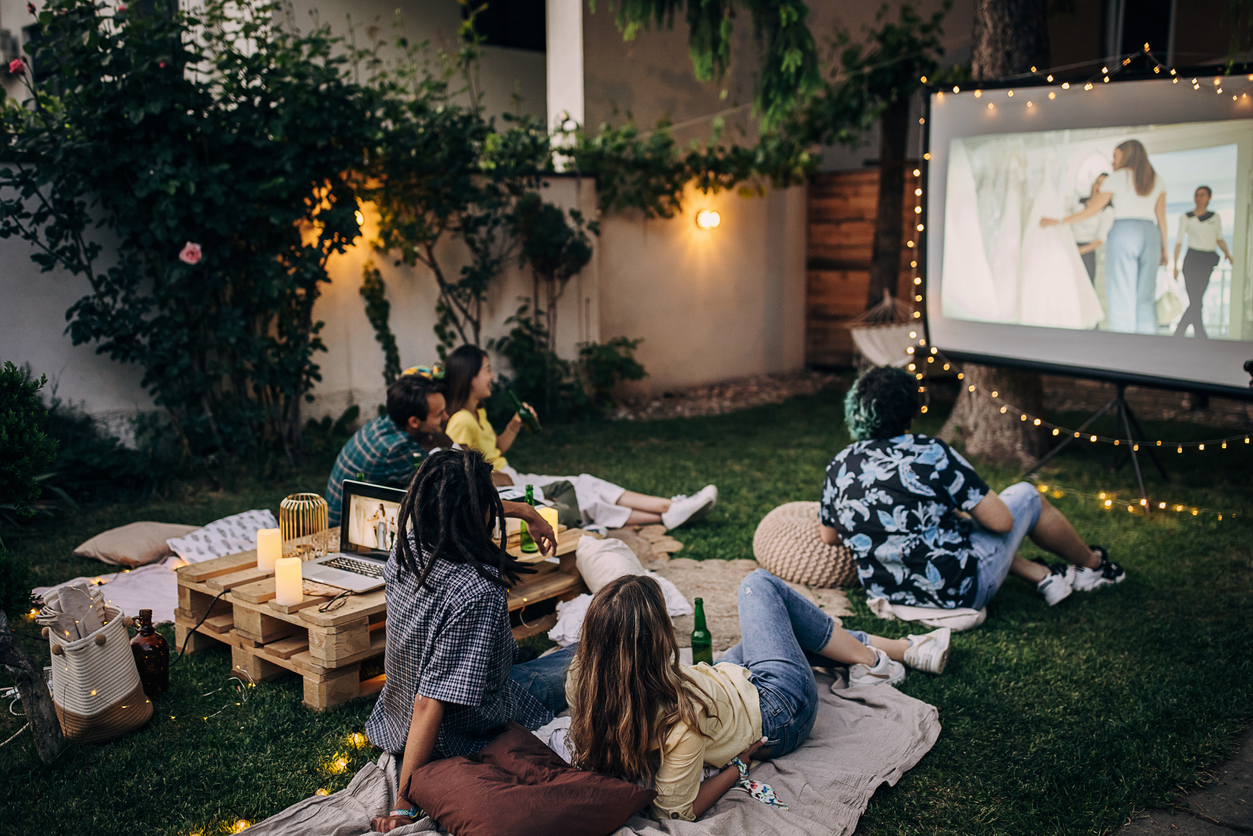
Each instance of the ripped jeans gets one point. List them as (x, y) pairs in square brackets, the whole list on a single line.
[(781, 633)]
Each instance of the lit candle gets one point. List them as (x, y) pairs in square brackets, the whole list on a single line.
[(269, 548), (549, 515), (288, 589)]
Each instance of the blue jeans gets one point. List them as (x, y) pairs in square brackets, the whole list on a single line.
[(1133, 252), (545, 678), (781, 633), (995, 552)]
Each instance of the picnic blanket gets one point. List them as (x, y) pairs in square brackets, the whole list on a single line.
[(863, 737)]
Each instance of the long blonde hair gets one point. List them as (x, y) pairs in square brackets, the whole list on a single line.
[(1136, 158), (630, 690)]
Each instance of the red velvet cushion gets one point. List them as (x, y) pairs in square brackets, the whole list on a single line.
[(517, 786)]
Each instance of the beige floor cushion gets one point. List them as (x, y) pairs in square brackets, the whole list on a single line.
[(788, 546), (137, 544)]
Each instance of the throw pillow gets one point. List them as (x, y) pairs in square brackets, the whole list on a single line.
[(137, 544), (517, 786), (229, 535), (601, 561)]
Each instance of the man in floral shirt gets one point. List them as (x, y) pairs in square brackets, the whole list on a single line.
[(925, 529)]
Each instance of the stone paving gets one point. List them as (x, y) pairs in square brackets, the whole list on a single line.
[(1221, 807)]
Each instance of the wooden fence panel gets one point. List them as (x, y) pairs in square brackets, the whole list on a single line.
[(842, 208)]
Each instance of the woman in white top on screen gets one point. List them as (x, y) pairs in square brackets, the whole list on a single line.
[(1136, 246), (1204, 231), (1091, 234)]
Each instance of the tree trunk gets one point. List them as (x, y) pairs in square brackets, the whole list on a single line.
[(33, 688), (985, 430), (885, 264), (1010, 37)]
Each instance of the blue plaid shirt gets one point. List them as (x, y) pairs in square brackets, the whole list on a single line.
[(452, 643), (381, 451)]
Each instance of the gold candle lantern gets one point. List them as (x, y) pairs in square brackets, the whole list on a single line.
[(302, 520)]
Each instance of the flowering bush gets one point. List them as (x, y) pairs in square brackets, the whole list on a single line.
[(218, 149)]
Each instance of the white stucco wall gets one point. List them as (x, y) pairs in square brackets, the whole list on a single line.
[(352, 367), (710, 304)]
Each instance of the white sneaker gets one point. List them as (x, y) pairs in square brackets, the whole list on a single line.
[(930, 651), (1107, 573), (685, 509), (1056, 587), (883, 672)]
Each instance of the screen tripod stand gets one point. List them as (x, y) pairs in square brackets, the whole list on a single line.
[(1132, 440)]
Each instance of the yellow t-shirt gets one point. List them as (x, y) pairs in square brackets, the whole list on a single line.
[(732, 728), (478, 434)]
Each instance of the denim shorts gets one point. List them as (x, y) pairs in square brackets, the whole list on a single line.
[(995, 552)]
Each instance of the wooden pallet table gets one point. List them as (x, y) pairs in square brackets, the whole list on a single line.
[(327, 649)]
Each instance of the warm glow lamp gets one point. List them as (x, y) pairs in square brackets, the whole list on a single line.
[(707, 219)]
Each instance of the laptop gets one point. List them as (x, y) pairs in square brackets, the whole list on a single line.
[(369, 518)]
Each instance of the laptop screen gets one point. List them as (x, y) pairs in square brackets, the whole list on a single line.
[(370, 522)]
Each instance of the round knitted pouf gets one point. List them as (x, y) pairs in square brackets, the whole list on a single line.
[(787, 545)]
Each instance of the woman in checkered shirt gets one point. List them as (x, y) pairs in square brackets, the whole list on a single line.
[(450, 649)]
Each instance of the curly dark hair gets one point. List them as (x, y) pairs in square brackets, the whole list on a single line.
[(452, 512), (881, 404)]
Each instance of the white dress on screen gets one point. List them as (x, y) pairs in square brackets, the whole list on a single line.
[(967, 290), (1055, 291)]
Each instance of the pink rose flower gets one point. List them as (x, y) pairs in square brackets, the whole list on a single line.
[(190, 253), (121, 7), (17, 66), (30, 7)]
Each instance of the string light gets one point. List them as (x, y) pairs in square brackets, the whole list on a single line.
[(1110, 500), (1058, 430)]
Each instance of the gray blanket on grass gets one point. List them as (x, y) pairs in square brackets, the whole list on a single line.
[(863, 737)]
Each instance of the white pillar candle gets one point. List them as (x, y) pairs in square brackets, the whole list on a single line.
[(288, 589), (549, 515), (269, 548)]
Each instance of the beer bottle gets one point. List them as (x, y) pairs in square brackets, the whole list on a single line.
[(702, 642), (528, 417), (528, 542), (152, 657)]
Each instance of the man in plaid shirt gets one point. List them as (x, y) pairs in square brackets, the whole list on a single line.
[(388, 449)]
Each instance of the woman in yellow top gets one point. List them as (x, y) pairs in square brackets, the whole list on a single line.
[(660, 722), (468, 376)]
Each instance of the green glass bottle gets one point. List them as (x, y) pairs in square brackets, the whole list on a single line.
[(702, 642), (528, 417), (528, 542)]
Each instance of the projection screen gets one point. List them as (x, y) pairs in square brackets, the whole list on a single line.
[(1138, 172)]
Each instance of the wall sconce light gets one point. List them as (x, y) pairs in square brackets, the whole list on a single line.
[(707, 219)]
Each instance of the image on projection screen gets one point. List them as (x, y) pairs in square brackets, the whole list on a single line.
[(1145, 244), (372, 522)]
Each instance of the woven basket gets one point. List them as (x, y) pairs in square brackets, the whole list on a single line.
[(788, 546), (95, 684)]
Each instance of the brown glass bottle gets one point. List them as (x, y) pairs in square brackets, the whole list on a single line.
[(152, 656)]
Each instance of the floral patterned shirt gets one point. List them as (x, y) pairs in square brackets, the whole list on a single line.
[(894, 503)]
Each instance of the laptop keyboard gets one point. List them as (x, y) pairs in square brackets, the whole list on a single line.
[(359, 567)]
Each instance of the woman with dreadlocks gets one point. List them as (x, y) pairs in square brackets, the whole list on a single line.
[(449, 645)]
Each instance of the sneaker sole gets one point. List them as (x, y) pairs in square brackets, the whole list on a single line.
[(1054, 602), (1101, 583), (886, 680), (699, 514)]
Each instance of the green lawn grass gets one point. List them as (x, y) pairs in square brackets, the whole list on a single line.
[(1061, 720)]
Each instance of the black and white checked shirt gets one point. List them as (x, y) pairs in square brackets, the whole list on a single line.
[(451, 643)]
